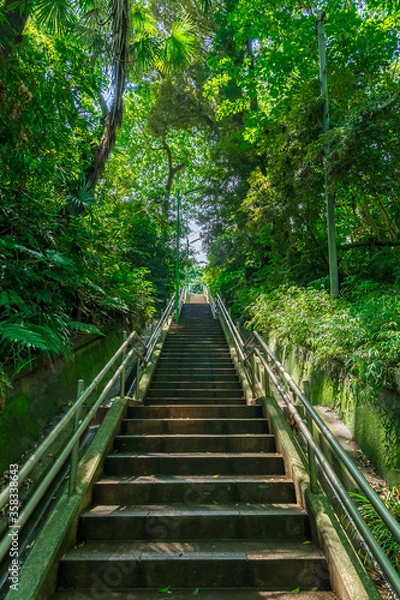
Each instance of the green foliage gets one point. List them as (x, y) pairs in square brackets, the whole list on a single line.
[(179, 47), (72, 259), (361, 329), (379, 530), (264, 84), (5, 384), (56, 15)]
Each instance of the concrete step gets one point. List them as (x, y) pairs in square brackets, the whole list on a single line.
[(204, 369), (192, 330), (175, 363), (192, 338), (195, 374), (185, 400), (181, 463), (199, 348), (195, 443), (179, 522), (195, 393), (190, 376), (211, 367), (193, 411), (198, 489), (195, 425), (187, 594), (193, 385), (278, 565), (195, 339), (195, 346), (194, 496), (198, 351), (194, 356)]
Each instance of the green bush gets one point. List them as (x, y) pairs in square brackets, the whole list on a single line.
[(379, 530), (361, 329)]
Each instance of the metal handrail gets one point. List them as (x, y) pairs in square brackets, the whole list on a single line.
[(182, 298), (212, 305), (257, 347), (80, 426), (232, 327)]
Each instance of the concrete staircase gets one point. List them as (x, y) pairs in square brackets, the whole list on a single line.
[(194, 499)]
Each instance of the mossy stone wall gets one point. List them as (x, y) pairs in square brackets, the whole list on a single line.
[(375, 424), (51, 386)]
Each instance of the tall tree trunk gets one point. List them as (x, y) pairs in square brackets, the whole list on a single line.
[(172, 171), (121, 31), (368, 218), (12, 28)]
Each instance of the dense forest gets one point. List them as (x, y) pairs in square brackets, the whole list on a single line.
[(108, 108)]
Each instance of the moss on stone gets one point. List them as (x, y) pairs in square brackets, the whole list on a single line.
[(37, 396), (368, 420)]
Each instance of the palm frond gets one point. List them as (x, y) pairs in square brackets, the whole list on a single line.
[(146, 51), (82, 197), (179, 47), (56, 15), (206, 6), (143, 22)]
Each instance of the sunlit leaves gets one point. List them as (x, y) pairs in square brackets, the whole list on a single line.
[(143, 22), (56, 15), (178, 48)]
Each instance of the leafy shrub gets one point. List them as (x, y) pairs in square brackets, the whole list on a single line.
[(361, 329), (379, 530)]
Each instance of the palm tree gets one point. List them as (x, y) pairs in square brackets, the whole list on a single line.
[(137, 42), (131, 42)]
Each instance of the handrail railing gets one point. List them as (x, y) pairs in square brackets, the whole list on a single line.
[(258, 354), (80, 426), (212, 305)]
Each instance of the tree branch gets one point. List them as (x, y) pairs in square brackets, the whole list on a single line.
[(372, 243)]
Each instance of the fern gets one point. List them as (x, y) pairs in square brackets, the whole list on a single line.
[(84, 327), (59, 259), (53, 341), (16, 333), (380, 531)]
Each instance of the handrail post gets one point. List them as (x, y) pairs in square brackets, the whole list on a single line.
[(75, 450), (254, 375), (265, 382), (312, 461), (123, 372), (137, 377)]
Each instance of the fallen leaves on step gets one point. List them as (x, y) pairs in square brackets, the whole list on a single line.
[(166, 590)]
